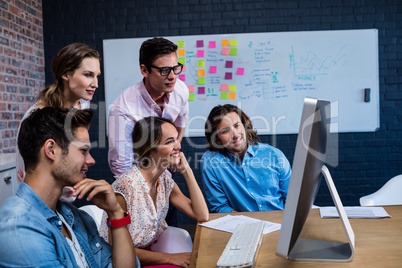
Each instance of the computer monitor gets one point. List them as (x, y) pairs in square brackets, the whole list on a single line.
[(308, 166)]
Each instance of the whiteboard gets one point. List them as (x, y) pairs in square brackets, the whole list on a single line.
[(267, 75)]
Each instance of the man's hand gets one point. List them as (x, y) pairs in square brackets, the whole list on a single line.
[(100, 192)]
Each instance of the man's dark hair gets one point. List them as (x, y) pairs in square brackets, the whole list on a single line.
[(152, 49), (214, 119), (49, 123)]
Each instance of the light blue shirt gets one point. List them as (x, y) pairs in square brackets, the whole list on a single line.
[(258, 183), (30, 234)]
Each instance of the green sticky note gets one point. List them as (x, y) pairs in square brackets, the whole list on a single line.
[(191, 97), (201, 81), (233, 42), (200, 63), (180, 43), (232, 87), (233, 51), (224, 95), (182, 60)]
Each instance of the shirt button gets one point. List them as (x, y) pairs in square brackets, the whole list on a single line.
[(59, 223), (97, 245), (252, 194)]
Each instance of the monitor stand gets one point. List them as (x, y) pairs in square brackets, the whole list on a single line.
[(319, 250)]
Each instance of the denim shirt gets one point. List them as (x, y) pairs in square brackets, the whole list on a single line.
[(257, 183), (30, 234)]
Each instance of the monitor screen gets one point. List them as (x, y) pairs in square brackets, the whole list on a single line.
[(308, 162)]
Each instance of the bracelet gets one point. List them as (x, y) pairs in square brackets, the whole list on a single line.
[(116, 223)]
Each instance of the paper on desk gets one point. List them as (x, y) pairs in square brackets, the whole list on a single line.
[(355, 212), (229, 223)]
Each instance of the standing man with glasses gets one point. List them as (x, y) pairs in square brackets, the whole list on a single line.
[(159, 94)]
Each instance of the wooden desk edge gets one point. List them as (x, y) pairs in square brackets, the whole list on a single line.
[(196, 246)]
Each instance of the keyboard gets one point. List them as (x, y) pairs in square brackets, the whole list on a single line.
[(243, 246)]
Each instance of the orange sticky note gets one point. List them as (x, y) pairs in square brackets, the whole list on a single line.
[(201, 72), (181, 52), (232, 96), (225, 42)]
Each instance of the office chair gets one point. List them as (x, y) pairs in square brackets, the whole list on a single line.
[(95, 212), (388, 194)]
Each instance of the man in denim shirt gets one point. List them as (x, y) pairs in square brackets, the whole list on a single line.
[(240, 173), (38, 230)]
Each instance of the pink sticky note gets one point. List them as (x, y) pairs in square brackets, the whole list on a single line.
[(212, 44), (182, 77), (240, 71), (200, 53), (228, 64), (228, 76), (200, 43), (213, 69), (224, 87), (190, 88), (201, 90), (225, 51)]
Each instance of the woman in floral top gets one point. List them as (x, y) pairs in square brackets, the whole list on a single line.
[(147, 188)]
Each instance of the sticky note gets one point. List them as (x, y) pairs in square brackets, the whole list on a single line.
[(201, 81), (224, 87), (228, 76), (200, 63), (225, 42), (228, 64), (182, 77), (201, 72), (182, 60), (200, 53), (232, 87), (240, 71), (191, 97), (224, 95), (232, 96), (233, 51), (233, 42), (181, 52), (225, 51), (213, 69), (200, 43), (180, 43), (201, 90), (190, 88), (212, 44), (184, 68)]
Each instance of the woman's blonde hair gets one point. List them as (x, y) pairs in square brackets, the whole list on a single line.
[(68, 59)]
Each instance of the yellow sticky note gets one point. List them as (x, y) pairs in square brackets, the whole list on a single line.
[(233, 42), (191, 97), (180, 43), (181, 52), (200, 63), (225, 42), (201, 81), (232, 96), (201, 72), (182, 60), (224, 95), (232, 87)]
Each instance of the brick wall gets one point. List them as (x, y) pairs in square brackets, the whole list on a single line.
[(366, 160), (21, 64)]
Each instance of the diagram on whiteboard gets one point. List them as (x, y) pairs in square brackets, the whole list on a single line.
[(266, 74)]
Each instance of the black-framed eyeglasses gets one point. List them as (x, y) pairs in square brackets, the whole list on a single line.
[(165, 71)]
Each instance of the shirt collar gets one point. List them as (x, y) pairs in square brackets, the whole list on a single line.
[(148, 99), (31, 197), (251, 149)]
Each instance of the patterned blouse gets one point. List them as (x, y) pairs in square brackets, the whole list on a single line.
[(147, 223)]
